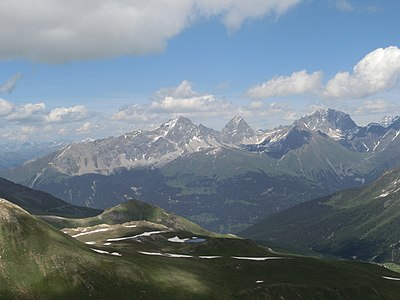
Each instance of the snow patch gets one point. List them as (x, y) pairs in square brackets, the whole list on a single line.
[(178, 255), (176, 239), (90, 232), (391, 278), (151, 253), (106, 252), (135, 236), (100, 251), (385, 194), (256, 258), (397, 134)]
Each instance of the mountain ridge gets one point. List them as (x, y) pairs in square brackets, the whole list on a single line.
[(331, 154), (40, 203)]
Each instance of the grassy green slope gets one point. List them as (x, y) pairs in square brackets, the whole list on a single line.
[(39, 262), (323, 156), (362, 223), (132, 210)]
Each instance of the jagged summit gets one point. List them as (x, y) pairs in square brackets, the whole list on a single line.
[(237, 119), (178, 122), (329, 121), (388, 120), (236, 130), (181, 137)]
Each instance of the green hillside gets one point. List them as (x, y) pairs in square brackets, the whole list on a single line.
[(359, 223), (132, 210), (40, 262), (41, 203)]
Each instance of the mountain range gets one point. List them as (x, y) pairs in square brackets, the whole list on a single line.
[(224, 180)]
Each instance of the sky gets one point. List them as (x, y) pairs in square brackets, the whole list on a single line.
[(73, 70)]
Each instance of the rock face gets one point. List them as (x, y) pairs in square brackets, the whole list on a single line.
[(136, 149), (236, 131), (334, 123)]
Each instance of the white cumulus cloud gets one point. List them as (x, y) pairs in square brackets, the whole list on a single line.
[(183, 90), (65, 30), (378, 71), (181, 99), (37, 113), (5, 107), (297, 83), (28, 112), (67, 114)]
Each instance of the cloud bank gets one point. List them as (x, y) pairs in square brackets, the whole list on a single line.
[(37, 113), (65, 30), (378, 71), (184, 100), (297, 83)]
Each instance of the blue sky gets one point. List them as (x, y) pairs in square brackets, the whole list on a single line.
[(106, 67)]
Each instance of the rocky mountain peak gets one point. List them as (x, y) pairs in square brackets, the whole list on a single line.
[(179, 122), (329, 121), (388, 120), (178, 129), (236, 130)]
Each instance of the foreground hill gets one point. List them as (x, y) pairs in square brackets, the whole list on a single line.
[(39, 262), (359, 223), (132, 210), (225, 180), (127, 261)]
